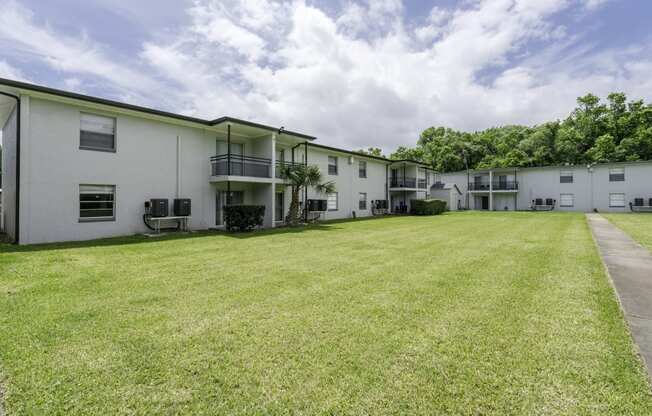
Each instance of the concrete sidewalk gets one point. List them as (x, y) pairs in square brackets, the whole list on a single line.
[(630, 267)]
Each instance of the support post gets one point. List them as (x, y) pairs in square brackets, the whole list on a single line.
[(228, 149), (515, 191), (491, 190)]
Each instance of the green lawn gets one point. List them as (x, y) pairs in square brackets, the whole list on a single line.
[(465, 313), (638, 226)]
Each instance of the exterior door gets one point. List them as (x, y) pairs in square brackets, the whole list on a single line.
[(477, 182), (485, 202), (502, 182), (237, 152), (278, 207)]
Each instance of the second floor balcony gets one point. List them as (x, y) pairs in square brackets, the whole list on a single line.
[(398, 182), (496, 186), (239, 165)]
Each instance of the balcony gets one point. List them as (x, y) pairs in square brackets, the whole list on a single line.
[(496, 186), (239, 165), (422, 183), (403, 183)]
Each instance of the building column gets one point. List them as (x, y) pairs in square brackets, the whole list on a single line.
[(491, 190), (273, 173)]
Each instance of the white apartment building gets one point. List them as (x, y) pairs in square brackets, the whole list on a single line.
[(607, 187), (77, 167)]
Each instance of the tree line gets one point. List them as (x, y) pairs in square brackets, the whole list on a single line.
[(594, 132)]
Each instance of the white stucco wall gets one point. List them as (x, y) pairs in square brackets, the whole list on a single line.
[(144, 166), (348, 184)]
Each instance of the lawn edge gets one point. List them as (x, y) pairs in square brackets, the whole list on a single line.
[(635, 347)]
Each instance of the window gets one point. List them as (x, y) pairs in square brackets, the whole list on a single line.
[(362, 204), (332, 165), (616, 174), (566, 200), (332, 201), (617, 200), (362, 169), (96, 202), (566, 176), (97, 133)]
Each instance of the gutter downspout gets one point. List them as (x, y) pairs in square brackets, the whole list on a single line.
[(17, 219)]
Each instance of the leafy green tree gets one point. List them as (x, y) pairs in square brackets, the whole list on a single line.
[(617, 130), (604, 149), (372, 151)]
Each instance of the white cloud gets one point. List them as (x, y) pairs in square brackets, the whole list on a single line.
[(363, 76), (10, 72), (594, 4), (68, 54)]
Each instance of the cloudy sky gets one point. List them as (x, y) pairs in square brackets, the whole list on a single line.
[(353, 73)]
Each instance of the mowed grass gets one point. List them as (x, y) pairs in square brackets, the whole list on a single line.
[(463, 313), (637, 225)]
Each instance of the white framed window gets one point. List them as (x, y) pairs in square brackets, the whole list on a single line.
[(362, 202), (566, 200), (566, 176), (96, 203), (97, 132), (616, 200), (616, 174), (332, 201), (332, 165), (362, 169)]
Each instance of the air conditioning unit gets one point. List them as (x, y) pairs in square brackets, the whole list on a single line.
[(181, 207), (317, 205), (159, 207)]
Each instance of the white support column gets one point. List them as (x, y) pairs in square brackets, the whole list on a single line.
[(273, 172), (491, 190)]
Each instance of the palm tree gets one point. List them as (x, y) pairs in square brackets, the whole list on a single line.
[(303, 176)]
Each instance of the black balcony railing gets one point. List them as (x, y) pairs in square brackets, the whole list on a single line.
[(497, 186), (403, 183), (279, 168), (238, 165)]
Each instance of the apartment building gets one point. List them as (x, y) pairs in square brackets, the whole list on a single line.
[(77, 167), (608, 187)]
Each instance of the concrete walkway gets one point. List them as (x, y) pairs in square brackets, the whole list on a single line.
[(630, 268)]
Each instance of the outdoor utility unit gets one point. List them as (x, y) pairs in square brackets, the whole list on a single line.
[(181, 207), (380, 204), (317, 205), (158, 207)]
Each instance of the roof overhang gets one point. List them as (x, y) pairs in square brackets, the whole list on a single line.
[(243, 126)]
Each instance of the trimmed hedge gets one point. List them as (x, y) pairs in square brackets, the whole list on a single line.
[(243, 217), (427, 206)]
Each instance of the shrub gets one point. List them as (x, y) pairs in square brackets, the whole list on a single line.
[(243, 217), (427, 206)]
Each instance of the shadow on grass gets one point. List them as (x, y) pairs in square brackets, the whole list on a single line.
[(325, 225), (140, 238)]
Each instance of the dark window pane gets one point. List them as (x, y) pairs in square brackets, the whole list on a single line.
[(94, 213), (95, 197), (97, 140)]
